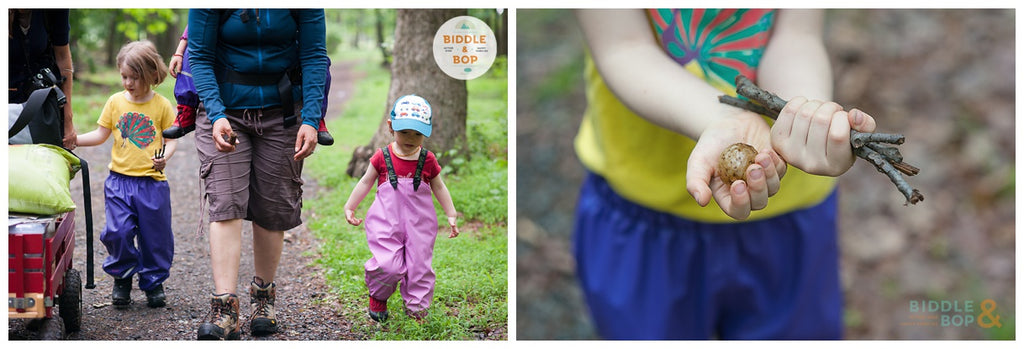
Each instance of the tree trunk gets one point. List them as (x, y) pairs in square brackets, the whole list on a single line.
[(379, 26), (414, 71), (502, 33), (358, 36), (114, 43)]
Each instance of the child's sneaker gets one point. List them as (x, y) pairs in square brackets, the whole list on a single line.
[(323, 137), (121, 295), (155, 297), (184, 123), (378, 310), (223, 323)]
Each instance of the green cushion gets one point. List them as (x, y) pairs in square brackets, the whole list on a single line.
[(38, 178)]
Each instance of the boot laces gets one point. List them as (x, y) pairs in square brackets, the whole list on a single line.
[(262, 307)]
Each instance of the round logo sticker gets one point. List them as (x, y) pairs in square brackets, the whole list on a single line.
[(465, 47)]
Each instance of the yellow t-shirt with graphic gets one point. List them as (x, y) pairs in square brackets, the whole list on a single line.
[(137, 132), (645, 163)]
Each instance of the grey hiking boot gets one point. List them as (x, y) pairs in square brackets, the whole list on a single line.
[(263, 320), (223, 323)]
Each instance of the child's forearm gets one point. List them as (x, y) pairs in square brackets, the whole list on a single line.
[(795, 62), (357, 196), (182, 45), (94, 137), (362, 188), (637, 71), (170, 146), (443, 196)]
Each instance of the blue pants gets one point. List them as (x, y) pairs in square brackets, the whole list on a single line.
[(652, 275), (138, 209)]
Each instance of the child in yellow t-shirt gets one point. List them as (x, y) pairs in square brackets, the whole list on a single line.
[(137, 234)]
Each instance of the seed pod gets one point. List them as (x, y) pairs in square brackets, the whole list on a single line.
[(733, 163), (231, 138)]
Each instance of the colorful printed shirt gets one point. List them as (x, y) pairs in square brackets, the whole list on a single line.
[(715, 45), (646, 163), (137, 131)]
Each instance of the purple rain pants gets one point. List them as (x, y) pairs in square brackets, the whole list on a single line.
[(401, 226), (138, 209)]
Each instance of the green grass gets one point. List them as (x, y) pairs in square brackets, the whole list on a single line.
[(471, 294)]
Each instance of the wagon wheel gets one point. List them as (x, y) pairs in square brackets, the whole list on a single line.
[(51, 329), (71, 301)]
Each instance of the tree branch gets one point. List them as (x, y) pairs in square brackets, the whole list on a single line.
[(868, 146)]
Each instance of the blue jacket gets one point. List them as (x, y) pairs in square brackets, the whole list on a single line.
[(259, 42)]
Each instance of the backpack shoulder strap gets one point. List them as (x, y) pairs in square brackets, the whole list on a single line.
[(391, 168), (417, 177), (32, 108)]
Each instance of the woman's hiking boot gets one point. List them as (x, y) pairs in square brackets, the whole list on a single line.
[(184, 123), (263, 320), (378, 309), (223, 323), (121, 295)]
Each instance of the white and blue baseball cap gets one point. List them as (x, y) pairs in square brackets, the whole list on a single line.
[(411, 112)]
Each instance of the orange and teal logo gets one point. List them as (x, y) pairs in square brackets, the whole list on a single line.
[(465, 47), (953, 313)]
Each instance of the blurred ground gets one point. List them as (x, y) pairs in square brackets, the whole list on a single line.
[(943, 78)]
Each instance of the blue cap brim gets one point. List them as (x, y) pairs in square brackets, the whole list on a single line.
[(409, 124)]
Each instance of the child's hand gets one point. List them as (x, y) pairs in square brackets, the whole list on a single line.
[(763, 177), (350, 216), (454, 226), (814, 136), (159, 163), (174, 66)]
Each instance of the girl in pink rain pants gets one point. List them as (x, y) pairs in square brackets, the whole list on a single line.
[(401, 224)]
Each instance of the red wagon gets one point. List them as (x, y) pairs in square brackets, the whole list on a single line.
[(40, 273), (41, 276)]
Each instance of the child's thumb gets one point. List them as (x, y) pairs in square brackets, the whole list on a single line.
[(861, 121)]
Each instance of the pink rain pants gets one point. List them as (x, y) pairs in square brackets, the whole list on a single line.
[(401, 227)]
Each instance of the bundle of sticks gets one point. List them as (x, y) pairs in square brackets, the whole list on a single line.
[(876, 148)]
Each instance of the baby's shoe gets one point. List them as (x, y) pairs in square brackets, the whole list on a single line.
[(323, 137), (378, 310), (184, 123), (121, 295), (155, 297)]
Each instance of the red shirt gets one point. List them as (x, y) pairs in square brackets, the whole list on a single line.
[(404, 168)]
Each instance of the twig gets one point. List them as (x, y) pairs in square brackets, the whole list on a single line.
[(913, 196), (859, 139), (868, 146), (891, 154), (748, 105)]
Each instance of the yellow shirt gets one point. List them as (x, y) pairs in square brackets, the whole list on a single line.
[(646, 164), (137, 131)]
